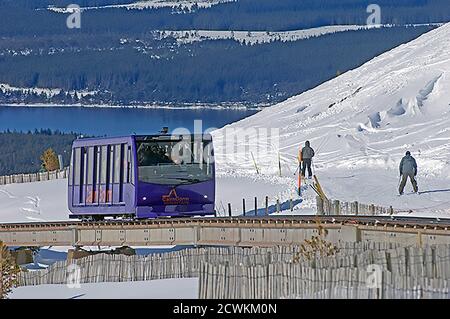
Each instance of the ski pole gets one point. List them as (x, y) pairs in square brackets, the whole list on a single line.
[(298, 166)]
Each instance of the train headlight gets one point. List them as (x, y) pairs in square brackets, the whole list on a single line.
[(205, 196), (144, 198)]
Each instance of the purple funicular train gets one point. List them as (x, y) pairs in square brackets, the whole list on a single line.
[(140, 177)]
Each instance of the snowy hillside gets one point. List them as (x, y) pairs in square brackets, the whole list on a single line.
[(360, 124), (253, 37), (189, 5), (47, 92), (259, 37)]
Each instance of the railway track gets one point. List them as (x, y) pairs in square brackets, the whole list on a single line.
[(227, 231), (379, 221)]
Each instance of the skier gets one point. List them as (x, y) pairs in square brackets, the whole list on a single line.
[(307, 155), (408, 168)]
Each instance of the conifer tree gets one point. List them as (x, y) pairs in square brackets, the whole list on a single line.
[(50, 160), (8, 271)]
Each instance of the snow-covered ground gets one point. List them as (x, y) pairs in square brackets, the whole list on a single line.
[(258, 37), (252, 37), (48, 92), (188, 5), (180, 288), (34, 202)]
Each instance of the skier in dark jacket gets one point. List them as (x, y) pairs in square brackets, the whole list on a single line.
[(408, 168), (307, 155)]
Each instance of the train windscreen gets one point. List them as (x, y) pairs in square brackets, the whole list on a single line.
[(175, 162)]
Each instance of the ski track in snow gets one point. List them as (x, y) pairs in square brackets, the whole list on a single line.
[(39, 201)]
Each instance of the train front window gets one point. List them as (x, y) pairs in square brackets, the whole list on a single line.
[(174, 162)]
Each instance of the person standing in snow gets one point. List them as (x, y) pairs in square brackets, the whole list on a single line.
[(307, 155), (408, 168)]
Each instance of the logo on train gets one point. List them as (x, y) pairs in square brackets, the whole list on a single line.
[(174, 199)]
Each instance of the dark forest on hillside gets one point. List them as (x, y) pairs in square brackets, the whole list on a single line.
[(20, 17), (21, 152), (38, 50), (209, 72)]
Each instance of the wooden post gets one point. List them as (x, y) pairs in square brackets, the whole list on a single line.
[(256, 206), (391, 210), (319, 187), (337, 207), (355, 208), (372, 209), (229, 209), (419, 238), (243, 206), (328, 206), (319, 204), (267, 205)]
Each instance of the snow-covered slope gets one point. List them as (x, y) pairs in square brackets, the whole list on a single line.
[(254, 37), (361, 123), (189, 5), (257, 37), (47, 92)]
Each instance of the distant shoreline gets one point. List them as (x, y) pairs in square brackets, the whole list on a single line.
[(224, 107)]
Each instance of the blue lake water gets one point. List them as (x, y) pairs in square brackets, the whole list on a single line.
[(114, 121)]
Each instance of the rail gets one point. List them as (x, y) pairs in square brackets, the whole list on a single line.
[(228, 231)]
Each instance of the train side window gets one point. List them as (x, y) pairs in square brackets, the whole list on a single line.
[(71, 168), (125, 163), (117, 164), (97, 164), (104, 165), (130, 167), (96, 171), (83, 167), (77, 166), (111, 163), (90, 166)]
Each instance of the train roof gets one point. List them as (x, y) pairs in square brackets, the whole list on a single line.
[(150, 137)]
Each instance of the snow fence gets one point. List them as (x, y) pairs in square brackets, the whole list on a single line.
[(34, 177), (275, 272)]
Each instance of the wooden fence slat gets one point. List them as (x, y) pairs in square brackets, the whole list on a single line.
[(34, 177), (236, 272)]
